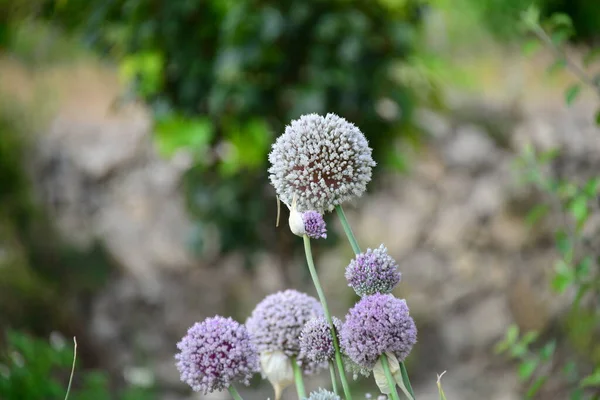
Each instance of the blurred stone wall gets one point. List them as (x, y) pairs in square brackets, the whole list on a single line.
[(455, 224)]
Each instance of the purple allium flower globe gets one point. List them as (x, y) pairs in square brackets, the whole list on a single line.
[(323, 394), (374, 271), (314, 225), (316, 344), (377, 324), (215, 354), (324, 161), (277, 321)]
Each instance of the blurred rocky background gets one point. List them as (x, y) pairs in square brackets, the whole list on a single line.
[(133, 191)]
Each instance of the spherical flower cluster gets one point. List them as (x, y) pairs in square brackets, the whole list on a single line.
[(324, 161), (323, 394), (314, 225), (277, 321), (215, 354), (373, 272), (377, 324), (316, 342)]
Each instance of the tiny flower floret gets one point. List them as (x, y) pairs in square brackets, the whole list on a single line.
[(374, 271), (216, 353), (378, 324), (277, 321), (314, 225), (316, 343), (323, 394), (325, 161)]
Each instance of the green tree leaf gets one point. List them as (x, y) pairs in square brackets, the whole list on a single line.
[(527, 368), (592, 380), (571, 93)]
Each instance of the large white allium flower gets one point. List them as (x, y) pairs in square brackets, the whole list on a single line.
[(324, 161)]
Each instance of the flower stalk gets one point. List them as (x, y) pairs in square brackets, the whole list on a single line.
[(356, 248), (321, 295), (298, 379), (234, 393), (388, 376), (333, 378)]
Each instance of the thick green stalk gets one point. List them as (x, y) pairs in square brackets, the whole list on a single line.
[(336, 346), (333, 378), (388, 376), (234, 393), (299, 381), (356, 249)]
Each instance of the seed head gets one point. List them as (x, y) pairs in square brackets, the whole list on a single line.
[(325, 161), (374, 271), (216, 353), (377, 324)]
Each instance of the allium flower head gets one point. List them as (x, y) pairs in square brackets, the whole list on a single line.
[(277, 321), (314, 225), (316, 343), (377, 324), (374, 271), (215, 354), (325, 161), (323, 394)]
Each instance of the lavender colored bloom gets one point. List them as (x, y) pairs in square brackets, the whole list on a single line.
[(323, 394), (324, 161), (377, 324), (216, 353), (373, 272), (316, 343), (314, 225), (277, 321)]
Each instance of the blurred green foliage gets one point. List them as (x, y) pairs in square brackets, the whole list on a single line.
[(576, 269), (34, 369), (225, 77)]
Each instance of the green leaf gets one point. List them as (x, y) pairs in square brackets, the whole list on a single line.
[(548, 350), (530, 47), (591, 56), (536, 214), (560, 20), (598, 118), (582, 269), (556, 66), (571, 93), (531, 17), (592, 380), (536, 386), (527, 368), (562, 280), (591, 187), (563, 244), (176, 132), (529, 338), (579, 209)]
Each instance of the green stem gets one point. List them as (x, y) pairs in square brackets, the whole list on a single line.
[(234, 393), (333, 378), (336, 346), (388, 376), (299, 381), (406, 380), (347, 229), (356, 249)]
